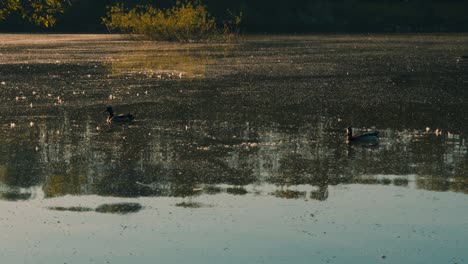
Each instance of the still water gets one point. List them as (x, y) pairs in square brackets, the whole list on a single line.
[(238, 151)]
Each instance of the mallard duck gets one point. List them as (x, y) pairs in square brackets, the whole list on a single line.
[(119, 118), (368, 137)]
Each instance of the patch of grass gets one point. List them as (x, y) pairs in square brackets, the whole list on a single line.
[(119, 208)]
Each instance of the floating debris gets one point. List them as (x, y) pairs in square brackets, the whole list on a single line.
[(71, 208), (213, 189), (400, 182), (189, 204), (119, 208), (237, 191), (289, 194), (15, 196)]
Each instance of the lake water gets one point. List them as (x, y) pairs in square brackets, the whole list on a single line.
[(238, 151)]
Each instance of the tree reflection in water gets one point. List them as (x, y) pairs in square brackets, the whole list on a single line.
[(164, 158)]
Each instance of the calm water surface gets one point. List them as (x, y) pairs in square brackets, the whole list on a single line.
[(238, 151)]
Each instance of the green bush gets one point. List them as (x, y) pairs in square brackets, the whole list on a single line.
[(185, 22)]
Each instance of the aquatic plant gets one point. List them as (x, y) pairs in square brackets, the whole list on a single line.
[(189, 204), (15, 196), (187, 21), (71, 208), (400, 182), (289, 194), (119, 208), (236, 190)]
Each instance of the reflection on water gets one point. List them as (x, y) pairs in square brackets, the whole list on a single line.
[(267, 111), (187, 157), (175, 64)]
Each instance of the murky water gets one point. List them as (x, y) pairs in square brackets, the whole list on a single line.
[(238, 151)]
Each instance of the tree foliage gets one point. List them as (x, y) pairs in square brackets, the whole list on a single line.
[(39, 12), (275, 16), (184, 22)]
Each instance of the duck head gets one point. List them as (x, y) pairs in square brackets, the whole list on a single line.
[(110, 111), (349, 132)]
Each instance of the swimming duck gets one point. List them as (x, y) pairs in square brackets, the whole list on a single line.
[(368, 137), (119, 118)]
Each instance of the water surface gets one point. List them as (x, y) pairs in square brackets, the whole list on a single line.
[(238, 151)]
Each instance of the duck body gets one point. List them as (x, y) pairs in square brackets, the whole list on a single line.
[(122, 118), (368, 137)]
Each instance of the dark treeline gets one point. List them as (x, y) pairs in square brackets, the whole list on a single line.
[(279, 16)]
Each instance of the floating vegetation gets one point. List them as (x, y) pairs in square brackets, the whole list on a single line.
[(71, 208), (289, 194), (119, 208), (373, 180), (190, 204), (15, 196), (386, 181), (400, 182), (237, 190), (367, 180), (213, 190)]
